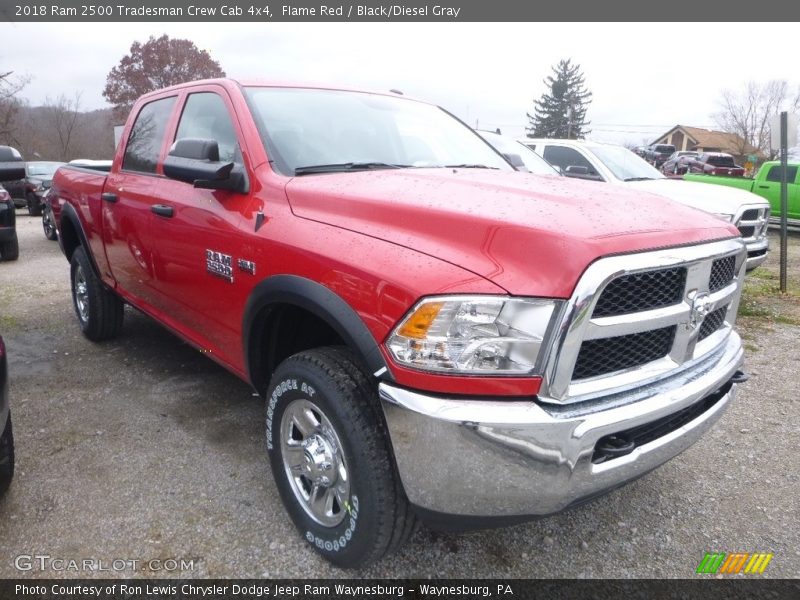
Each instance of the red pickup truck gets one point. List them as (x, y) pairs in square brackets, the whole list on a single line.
[(435, 335)]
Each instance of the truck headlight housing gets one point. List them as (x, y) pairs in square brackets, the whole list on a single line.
[(724, 217), (472, 335)]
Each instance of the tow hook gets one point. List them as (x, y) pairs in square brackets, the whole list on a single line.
[(740, 377), (612, 446)]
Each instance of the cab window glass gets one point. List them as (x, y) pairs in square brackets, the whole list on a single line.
[(774, 173), (144, 142), (206, 117), (564, 157)]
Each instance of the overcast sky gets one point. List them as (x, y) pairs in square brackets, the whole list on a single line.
[(645, 77)]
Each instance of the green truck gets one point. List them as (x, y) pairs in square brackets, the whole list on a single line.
[(766, 183)]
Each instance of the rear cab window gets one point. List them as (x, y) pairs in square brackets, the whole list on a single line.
[(774, 173), (146, 137)]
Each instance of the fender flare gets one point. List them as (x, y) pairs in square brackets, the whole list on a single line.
[(317, 300), (69, 214)]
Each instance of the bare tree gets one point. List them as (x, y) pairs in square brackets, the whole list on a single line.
[(10, 86), (61, 116), (747, 113)]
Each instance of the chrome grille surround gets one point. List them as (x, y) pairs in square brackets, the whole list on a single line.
[(687, 351), (753, 222)]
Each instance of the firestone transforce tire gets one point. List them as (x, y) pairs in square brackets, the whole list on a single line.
[(330, 457), (6, 457), (100, 312), (9, 250)]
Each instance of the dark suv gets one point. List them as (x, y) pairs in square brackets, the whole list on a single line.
[(9, 246), (657, 154), (6, 437)]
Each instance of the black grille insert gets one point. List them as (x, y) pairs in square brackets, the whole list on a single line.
[(747, 232), (599, 357), (641, 291), (722, 271), (750, 214), (712, 323)]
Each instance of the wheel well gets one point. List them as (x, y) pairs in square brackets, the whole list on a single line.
[(69, 237), (280, 331)]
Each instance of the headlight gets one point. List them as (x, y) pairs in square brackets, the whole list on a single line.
[(724, 217), (474, 335)]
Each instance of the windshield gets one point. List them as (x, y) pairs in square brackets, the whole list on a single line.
[(37, 169), (624, 164), (532, 161), (337, 130)]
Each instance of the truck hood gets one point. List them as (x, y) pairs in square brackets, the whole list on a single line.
[(715, 199), (530, 235)]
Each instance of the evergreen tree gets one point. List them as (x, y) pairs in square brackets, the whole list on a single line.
[(561, 113)]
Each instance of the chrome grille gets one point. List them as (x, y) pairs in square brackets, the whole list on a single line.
[(634, 319), (598, 357), (722, 271), (641, 291), (753, 223)]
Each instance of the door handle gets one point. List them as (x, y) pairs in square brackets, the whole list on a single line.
[(764, 187), (162, 210), (109, 197)]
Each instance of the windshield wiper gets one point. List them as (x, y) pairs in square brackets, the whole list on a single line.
[(348, 166), (469, 166), (639, 179)]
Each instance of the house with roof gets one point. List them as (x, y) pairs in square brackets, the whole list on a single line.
[(708, 140)]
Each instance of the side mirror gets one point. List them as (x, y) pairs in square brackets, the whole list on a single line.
[(576, 170), (516, 161), (196, 161)]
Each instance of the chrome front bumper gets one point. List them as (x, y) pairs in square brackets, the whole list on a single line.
[(505, 458), (757, 252)]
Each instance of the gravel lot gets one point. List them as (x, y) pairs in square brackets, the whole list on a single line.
[(142, 449)]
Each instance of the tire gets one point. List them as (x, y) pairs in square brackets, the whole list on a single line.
[(48, 225), (324, 422), (34, 205), (6, 457), (10, 250), (100, 312)]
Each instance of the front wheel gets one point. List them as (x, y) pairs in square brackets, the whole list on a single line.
[(99, 310), (6, 457), (330, 457)]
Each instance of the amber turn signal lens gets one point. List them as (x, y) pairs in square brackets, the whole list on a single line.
[(417, 325)]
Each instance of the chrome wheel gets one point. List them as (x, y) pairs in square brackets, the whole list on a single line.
[(313, 459), (47, 224), (80, 291)]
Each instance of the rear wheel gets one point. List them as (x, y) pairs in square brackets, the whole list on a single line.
[(48, 224), (9, 250), (6, 457), (100, 312), (331, 460)]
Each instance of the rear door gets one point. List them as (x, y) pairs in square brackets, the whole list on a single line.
[(770, 188), (127, 201)]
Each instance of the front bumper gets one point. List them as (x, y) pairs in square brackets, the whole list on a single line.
[(507, 458), (757, 252)]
